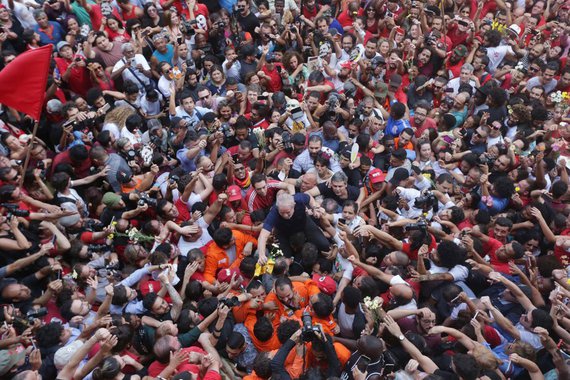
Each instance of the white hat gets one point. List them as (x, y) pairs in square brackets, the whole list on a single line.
[(515, 29)]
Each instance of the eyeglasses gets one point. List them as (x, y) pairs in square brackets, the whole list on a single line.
[(204, 97), (533, 69), (476, 133)]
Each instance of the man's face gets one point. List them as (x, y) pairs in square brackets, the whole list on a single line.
[(420, 115), (479, 136), (261, 188), (206, 98), (233, 353), (501, 233), (445, 187), (241, 134), (243, 6), (339, 188), (424, 56), (17, 292), (323, 26), (501, 164), (437, 24), (404, 138), (370, 50), (286, 211), (170, 211), (347, 44), (426, 321), (536, 93), (160, 306), (314, 148), (188, 105), (367, 108), (308, 181), (285, 294), (565, 80), (505, 253), (547, 76), (464, 76)]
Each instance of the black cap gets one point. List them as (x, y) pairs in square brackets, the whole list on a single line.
[(400, 174), (345, 153), (123, 177)]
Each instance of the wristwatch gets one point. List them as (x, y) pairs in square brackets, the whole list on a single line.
[(401, 338)]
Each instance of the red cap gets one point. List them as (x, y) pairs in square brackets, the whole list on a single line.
[(234, 193), (346, 65), (377, 176), (225, 275), (325, 283)]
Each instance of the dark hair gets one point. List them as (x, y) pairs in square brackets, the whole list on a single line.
[(149, 300), (235, 340), (466, 367), (263, 329), (78, 153), (222, 236), (108, 369), (286, 329), (262, 365), (49, 335), (450, 254), (119, 295), (324, 305)]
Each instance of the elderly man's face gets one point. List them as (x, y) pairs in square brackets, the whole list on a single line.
[(286, 211)]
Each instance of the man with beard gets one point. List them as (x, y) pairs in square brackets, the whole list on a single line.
[(246, 18), (545, 79), (456, 61), (339, 190), (420, 121), (305, 160), (423, 60)]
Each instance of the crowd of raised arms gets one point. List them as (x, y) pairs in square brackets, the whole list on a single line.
[(287, 189)]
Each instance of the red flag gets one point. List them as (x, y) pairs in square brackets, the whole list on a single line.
[(23, 81)]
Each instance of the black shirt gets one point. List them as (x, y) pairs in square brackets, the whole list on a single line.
[(327, 192), (248, 23)]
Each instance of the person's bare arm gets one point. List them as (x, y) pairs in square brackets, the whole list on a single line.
[(215, 208)]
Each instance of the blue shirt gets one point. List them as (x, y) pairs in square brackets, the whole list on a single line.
[(395, 127), (165, 57), (57, 34)]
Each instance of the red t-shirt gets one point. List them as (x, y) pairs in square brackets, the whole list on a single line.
[(274, 84), (157, 367), (413, 254), (79, 80), (96, 16)]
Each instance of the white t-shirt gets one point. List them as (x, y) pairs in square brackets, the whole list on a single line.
[(127, 74), (497, 54), (205, 238)]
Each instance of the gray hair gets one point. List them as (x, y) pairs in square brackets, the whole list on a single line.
[(39, 13), (339, 177), (468, 66), (285, 199), (126, 46)]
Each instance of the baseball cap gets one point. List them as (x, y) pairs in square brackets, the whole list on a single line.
[(346, 65), (433, 10), (225, 275), (234, 194), (376, 176), (378, 60), (61, 45), (325, 284), (64, 354), (460, 50), (395, 80), (401, 174)]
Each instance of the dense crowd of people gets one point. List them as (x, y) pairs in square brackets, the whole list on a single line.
[(288, 189)]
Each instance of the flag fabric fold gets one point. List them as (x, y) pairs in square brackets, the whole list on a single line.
[(23, 81)]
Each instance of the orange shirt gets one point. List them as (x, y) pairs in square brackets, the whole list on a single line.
[(270, 345), (217, 258), (303, 291)]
